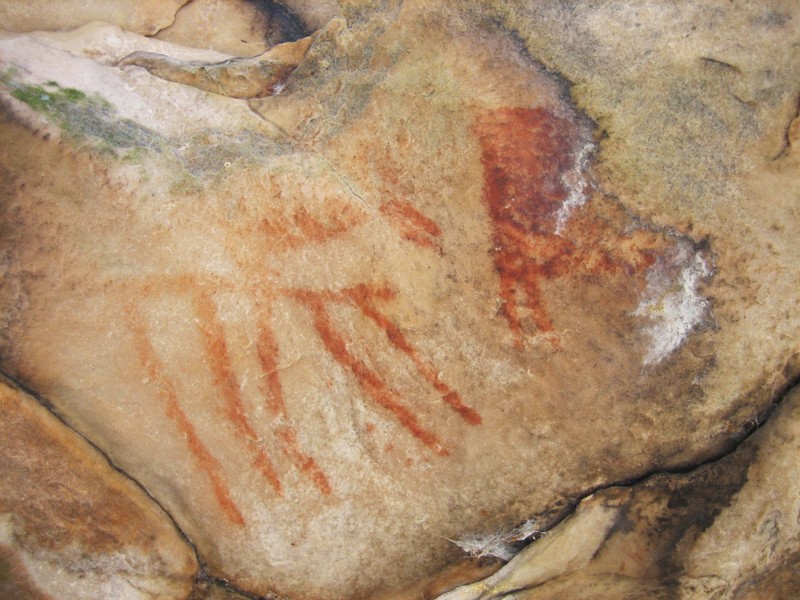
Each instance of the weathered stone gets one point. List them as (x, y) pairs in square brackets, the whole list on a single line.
[(206, 590), (245, 27), (145, 17), (314, 14), (73, 527), (256, 77), (454, 277), (730, 529), (234, 27)]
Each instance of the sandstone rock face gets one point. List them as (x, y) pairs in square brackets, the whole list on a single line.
[(244, 27), (144, 17), (470, 264), (71, 526), (730, 529), (235, 27)]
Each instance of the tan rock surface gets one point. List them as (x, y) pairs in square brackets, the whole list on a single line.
[(245, 27), (256, 77), (145, 17), (730, 529), (430, 291), (73, 527), (233, 27)]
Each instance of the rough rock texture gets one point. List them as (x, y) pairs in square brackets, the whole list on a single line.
[(256, 77), (730, 529), (233, 27), (73, 527), (475, 261), (243, 27), (145, 17)]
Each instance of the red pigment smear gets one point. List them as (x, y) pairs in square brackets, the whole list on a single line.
[(303, 228), (525, 155), (363, 296), (369, 381), (219, 361), (412, 224), (273, 391), (155, 371)]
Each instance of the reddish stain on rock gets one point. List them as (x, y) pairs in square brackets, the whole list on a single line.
[(219, 362), (413, 225), (536, 192), (155, 370), (370, 381)]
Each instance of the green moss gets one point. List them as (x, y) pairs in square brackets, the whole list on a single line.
[(84, 118), (73, 95), (34, 96)]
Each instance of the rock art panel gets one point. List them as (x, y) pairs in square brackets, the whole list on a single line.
[(388, 307), (536, 191), (73, 527)]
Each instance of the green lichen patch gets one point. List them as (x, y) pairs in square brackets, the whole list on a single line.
[(84, 118)]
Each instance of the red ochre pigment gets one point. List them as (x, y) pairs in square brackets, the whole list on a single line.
[(528, 155), (413, 225), (202, 292)]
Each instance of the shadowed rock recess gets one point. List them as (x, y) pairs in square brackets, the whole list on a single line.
[(366, 297)]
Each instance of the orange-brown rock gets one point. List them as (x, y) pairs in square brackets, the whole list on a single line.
[(71, 526), (729, 529), (469, 265)]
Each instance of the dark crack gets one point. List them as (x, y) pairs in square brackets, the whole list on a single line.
[(756, 423), (18, 385), (204, 579)]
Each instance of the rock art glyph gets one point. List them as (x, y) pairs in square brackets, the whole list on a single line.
[(445, 273)]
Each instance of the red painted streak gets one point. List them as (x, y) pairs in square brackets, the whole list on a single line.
[(273, 391), (362, 296), (413, 225), (219, 361), (303, 228), (369, 381), (525, 154), (155, 371)]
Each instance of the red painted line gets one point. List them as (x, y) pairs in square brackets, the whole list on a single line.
[(363, 296), (206, 461), (219, 362), (369, 381), (413, 225), (273, 391)]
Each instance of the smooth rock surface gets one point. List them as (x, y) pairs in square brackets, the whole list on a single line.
[(730, 529), (472, 263), (71, 527), (233, 27), (145, 17)]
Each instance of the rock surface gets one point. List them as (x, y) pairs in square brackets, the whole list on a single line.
[(470, 264), (730, 529), (262, 75), (145, 17), (233, 27), (73, 527)]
